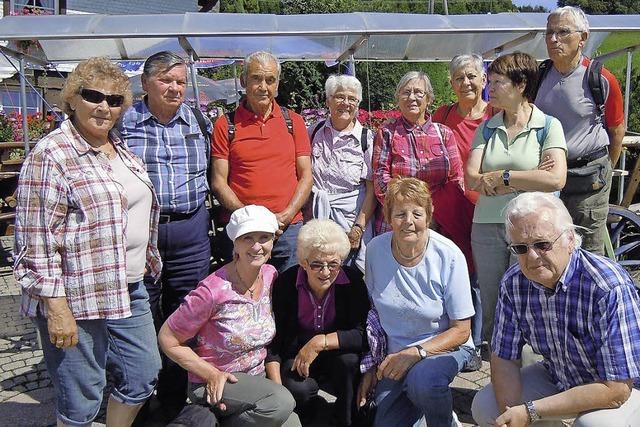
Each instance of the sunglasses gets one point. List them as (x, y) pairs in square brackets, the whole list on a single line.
[(543, 246), (96, 97), (319, 266)]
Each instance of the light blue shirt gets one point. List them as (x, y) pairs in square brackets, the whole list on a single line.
[(415, 303)]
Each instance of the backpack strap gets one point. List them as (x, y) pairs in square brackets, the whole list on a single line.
[(317, 128), (231, 127), (287, 119), (446, 114), (541, 133), (203, 128), (364, 140), (594, 72), (487, 132), (543, 70)]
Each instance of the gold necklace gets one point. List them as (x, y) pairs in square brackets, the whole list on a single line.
[(247, 288), (409, 258)]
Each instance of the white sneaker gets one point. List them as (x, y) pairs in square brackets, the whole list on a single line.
[(455, 419)]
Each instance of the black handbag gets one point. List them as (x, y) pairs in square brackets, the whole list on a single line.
[(365, 415), (587, 179)]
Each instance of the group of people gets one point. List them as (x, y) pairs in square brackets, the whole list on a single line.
[(377, 266)]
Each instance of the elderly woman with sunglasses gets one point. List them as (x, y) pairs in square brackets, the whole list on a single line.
[(86, 232), (518, 149), (418, 327), (415, 146), (320, 310), (341, 164), (220, 332)]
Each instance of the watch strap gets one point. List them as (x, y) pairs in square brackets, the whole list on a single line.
[(531, 411), (506, 177), (421, 351)]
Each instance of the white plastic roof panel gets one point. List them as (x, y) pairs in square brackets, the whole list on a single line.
[(385, 37)]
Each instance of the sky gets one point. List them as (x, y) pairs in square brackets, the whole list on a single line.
[(549, 4)]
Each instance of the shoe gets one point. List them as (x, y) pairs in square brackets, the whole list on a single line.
[(456, 422), (474, 363)]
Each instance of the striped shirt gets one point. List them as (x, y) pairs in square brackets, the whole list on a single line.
[(71, 222), (587, 329), (423, 152), (176, 155)]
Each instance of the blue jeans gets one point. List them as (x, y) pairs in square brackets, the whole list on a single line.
[(283, 255), (126, 347), (424, 391)]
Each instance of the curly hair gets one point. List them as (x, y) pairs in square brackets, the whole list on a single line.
[(322, 235), (409, 189), (88, 73)]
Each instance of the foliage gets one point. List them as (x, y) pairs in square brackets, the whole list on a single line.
[(372, 119), (634, 104), (302, 85), (11, 126), (604, 7)]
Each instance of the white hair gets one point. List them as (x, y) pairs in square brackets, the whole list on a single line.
[(577, 16), (535, 202), (261, 57), (412, 75), (342, 81), (322, 235), (460, 61)]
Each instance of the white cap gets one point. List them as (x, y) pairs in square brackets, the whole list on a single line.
[(249, 219)]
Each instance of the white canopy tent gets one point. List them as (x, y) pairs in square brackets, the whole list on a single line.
[(316, 37)]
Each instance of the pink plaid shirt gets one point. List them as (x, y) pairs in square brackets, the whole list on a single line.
[(71, 221), (403, 149)]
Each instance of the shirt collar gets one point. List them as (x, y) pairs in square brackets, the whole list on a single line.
[(302, 282), (356, 130), (243, 113), (145, 114), (409, 126), (537, 119), (570, 271), (80, 144)]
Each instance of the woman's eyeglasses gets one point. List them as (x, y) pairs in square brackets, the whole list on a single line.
[(418, 93), (543, 246), (351, 100), (96, 97), (318, 266)]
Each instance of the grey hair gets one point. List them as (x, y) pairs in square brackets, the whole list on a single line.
[(261, 57), (161, 62), (579, 18), (460, 61), (344, 81), (322, 235), (533, 203), (412, 75)]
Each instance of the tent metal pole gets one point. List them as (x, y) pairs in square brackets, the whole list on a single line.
[(23, 106), (627, 94), (235, 82), (194, 79)]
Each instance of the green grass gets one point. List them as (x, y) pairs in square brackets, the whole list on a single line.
[(617, 41)]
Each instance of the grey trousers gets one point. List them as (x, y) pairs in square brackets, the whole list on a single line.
[(252, 401), (536, 384), (590, 210), (491, 257)]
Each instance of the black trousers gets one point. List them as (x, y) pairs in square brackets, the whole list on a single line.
[(185, 251), (335, 370)]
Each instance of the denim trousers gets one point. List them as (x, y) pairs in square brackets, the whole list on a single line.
[(423, 392), (127, 348)]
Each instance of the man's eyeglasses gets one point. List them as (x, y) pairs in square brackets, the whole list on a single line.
[(352, 100), (96, 97), (418, 93), (560, 34), (319, 266), (543, 246)]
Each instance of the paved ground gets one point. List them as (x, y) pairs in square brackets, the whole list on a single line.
[(26, 394)]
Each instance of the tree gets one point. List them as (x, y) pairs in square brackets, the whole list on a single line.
[(604, 7)]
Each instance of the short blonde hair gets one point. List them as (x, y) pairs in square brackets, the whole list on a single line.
[(91, 71), (409, 189), (322, 235)]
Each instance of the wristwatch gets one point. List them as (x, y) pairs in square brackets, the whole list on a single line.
[(422, 352), (506, 176), (531, 410)]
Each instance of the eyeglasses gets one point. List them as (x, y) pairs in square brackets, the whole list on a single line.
[(319, 266), (418, 93), (352, 100), (96, 97), (540, 247), (560, 34)]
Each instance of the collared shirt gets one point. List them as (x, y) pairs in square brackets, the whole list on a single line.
[(71, 225), (316, 316), (418, 151), (262, 156), (175, 155), (587, 329), (338, 163)]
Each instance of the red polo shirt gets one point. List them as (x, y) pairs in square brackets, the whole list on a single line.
[(262, 156)]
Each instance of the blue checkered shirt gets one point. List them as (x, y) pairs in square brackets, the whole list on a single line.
[(176, 155), (587, 329)]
